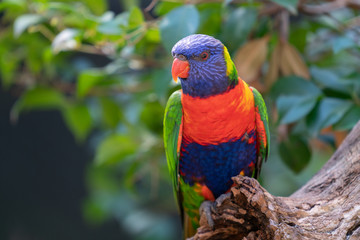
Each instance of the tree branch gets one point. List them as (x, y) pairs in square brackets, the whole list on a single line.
[(317, 9), (327, 207)]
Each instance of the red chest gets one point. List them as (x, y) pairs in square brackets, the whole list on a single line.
[(219, 118)]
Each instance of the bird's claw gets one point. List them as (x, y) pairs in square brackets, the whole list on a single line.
[(207, 207), (221, 199)]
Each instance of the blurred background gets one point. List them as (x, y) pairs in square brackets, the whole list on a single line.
[(83, 86)]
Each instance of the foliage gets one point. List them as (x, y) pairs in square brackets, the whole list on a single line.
[(50, 51)]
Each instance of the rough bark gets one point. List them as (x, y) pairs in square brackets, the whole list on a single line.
[(327, 207)]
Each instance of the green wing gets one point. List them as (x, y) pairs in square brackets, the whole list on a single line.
[(262, 130), (172, 124)]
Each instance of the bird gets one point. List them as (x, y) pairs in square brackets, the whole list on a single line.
[(215, 126)]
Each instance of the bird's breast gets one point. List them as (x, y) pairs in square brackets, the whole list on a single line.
[(220, 118)]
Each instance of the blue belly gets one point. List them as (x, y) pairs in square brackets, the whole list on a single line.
[(214, 165)]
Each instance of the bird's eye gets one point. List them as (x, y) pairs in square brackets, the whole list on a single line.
[(204, 56), (181, 57)]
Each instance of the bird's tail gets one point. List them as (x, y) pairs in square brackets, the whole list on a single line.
[(189, 229)]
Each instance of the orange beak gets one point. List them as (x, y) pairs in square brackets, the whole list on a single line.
[(180, 69)]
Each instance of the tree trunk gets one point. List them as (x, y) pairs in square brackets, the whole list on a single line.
[(327, 207)]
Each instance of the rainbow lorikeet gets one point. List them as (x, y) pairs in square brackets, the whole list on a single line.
[(215, 127)]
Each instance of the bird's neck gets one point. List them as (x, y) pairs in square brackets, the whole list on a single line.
[(219, 118)]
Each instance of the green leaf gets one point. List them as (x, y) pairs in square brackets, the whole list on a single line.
[(293, 108), (33, 59), (341, 43), (290, 5), (295, 153), (329, 79), (293, 85), (93, 211), (152, 116), (298, 35), (96, 6), (13, 4), (235, 29), (78, 119), (61, 7), (153, 35), (350, 118), (160, 81), (8, 66), (102, 179), (163, 7), (177, 24), (130, 176), (136, 17), (116, 25), (353, 77), (25, 21), (65, 40), (115, 148), (88, 79), (106, 16), (352, 80), (210, 18), (37, 98), (327, 112), (111, 112), (110, 28), (74, 20)]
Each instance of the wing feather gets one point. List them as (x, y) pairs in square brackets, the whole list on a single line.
[(262, 130), (172, 141)]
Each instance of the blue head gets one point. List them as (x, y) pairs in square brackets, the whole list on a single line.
[(201, 66)]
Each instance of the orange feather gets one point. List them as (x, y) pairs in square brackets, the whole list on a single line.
[(218, 118)]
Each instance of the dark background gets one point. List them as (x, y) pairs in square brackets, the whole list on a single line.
[(42, 179)]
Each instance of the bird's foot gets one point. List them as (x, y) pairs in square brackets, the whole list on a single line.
[(221, 199), (207, 207)]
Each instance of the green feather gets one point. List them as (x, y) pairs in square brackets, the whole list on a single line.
[(172, 123), (191, 201), (264, 149), (230, 68)]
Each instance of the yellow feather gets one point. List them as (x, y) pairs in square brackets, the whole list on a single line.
[(229, 62)]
